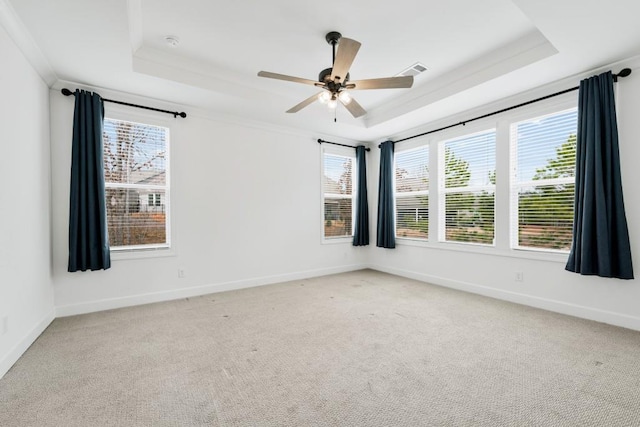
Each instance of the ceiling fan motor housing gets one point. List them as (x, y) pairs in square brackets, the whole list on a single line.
[(325, 78)]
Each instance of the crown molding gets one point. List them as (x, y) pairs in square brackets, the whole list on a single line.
[(16, 29), (511, 56)]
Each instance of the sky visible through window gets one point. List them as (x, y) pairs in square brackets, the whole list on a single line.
[(539, 140), (148, 151), (557, 129), (479, 152), (334, 166)]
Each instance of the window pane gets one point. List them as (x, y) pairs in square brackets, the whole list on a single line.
[(133, 220), (134, 153), (412, 170), (338, 177), (337, 217), (412, 217), (546, 147), (470, 161), (470, 172), (412, 197), (470, 217), (544, 184), (545, 217)]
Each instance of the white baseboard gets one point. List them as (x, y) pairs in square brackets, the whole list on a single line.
[(609, 317), (128, 301), (18, 350)]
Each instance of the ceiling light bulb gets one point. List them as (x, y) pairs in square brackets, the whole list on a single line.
[(332, 103), (344, 97), (323, 97)]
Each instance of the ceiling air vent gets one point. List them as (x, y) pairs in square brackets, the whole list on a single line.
[(413, 70)]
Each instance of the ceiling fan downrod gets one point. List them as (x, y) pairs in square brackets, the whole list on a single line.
[(333, 37)]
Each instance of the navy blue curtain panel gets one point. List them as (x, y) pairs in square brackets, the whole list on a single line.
[(386, 222), (600, 236), (88, 236), (361, 233)]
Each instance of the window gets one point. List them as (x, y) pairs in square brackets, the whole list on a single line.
[(154, 200), (137, 184), (337, 190), (543, 152), (412, 193), (467, 177)]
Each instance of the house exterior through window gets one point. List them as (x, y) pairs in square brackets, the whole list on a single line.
[(338, 186), (136, 166)]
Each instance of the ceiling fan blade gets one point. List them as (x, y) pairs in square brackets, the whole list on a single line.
[(354, 108), (287, 78), (383, 83), (304, 103), (347, 50)]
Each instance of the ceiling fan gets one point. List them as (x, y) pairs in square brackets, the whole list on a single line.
[(335, 80)]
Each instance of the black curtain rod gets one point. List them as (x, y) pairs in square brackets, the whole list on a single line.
[(623, 73), (321, 141), (67, 92)]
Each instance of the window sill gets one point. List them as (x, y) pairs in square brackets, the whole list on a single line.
[(127, 254), (337, 240), (532, 254)]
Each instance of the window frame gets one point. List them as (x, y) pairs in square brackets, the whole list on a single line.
[(339, 151), (514, 185), (443, 190), (115, 112)]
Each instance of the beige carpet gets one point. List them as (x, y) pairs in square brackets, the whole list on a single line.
[(355, 349)]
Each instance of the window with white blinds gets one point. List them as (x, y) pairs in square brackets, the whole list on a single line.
[(412, 193), (467, 177), (338, 185), (543, 153), (136, 169)]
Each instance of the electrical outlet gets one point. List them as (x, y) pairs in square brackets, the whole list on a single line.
[(5, 325), (181, 273), (519, 276)]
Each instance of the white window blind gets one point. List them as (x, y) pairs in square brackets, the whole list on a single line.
[(338, 188), (543, 152), (136, 168), (467, 188), (412, 193)]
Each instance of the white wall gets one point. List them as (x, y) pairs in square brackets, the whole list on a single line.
[(546, 284), (246, 211), (26, 292)]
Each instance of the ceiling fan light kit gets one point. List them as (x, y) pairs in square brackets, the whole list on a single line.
[(335, 80)]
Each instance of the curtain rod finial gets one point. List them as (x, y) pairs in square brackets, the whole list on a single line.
[(66, 92), (624, 72)]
